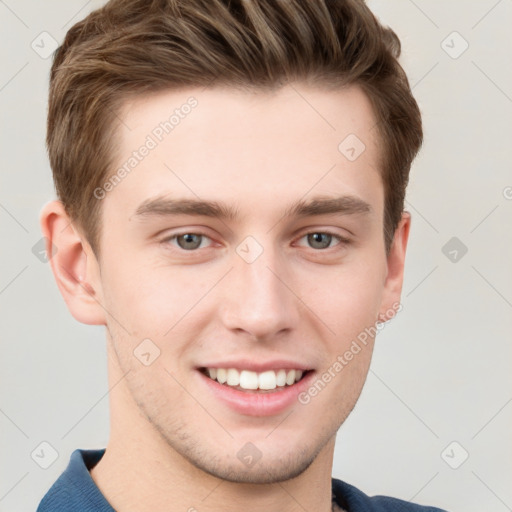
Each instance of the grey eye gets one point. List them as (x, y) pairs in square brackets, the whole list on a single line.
[(318, 242), (190, 241)]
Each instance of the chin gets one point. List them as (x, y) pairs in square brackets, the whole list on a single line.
[(262, 472)]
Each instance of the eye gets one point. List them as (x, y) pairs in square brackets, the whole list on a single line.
[(322, 239), (187, 241)]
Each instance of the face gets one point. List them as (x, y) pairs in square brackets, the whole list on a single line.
[(243, 244)]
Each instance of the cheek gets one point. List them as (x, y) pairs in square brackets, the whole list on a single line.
[(150, 298), (347, 298)]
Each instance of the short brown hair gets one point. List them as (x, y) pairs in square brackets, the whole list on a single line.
[(132, 47)]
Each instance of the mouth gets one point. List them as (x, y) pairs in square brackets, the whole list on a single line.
[(254, 388), (268, 381)]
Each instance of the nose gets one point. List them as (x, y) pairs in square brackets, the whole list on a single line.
[(259, 297)]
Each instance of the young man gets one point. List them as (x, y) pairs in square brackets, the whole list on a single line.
[(231, 178)]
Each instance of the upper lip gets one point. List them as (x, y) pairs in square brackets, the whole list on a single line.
[(258, 366)]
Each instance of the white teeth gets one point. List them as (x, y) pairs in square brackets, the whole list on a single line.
[(247, 379), (281, 378), (233, 377), (222, 375), (267, 380)]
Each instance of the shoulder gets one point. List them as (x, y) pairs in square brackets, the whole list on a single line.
[(74, 489), (353, 500)]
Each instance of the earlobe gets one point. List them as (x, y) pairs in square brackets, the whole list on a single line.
[(395, 270), (73, 263)]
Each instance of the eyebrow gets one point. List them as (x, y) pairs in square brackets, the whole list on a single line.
[(320, 205)]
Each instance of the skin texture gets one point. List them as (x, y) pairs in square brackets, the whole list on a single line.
[(176, 443)]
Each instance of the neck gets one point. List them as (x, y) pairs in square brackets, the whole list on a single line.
[(141, 472)]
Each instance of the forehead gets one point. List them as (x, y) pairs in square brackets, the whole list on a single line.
[(252, 148)]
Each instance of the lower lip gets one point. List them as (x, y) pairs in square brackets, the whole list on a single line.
[(258, 404)]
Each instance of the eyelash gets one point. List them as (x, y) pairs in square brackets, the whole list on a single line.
[(342, 241)]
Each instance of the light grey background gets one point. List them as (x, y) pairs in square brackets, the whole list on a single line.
[(442, 369)]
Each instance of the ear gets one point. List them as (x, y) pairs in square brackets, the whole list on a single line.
[(395, 266), (74, 265)]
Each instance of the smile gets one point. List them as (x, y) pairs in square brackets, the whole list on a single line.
[(251, 380)]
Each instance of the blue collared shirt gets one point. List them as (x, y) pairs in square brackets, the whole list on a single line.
[(75, 490)]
